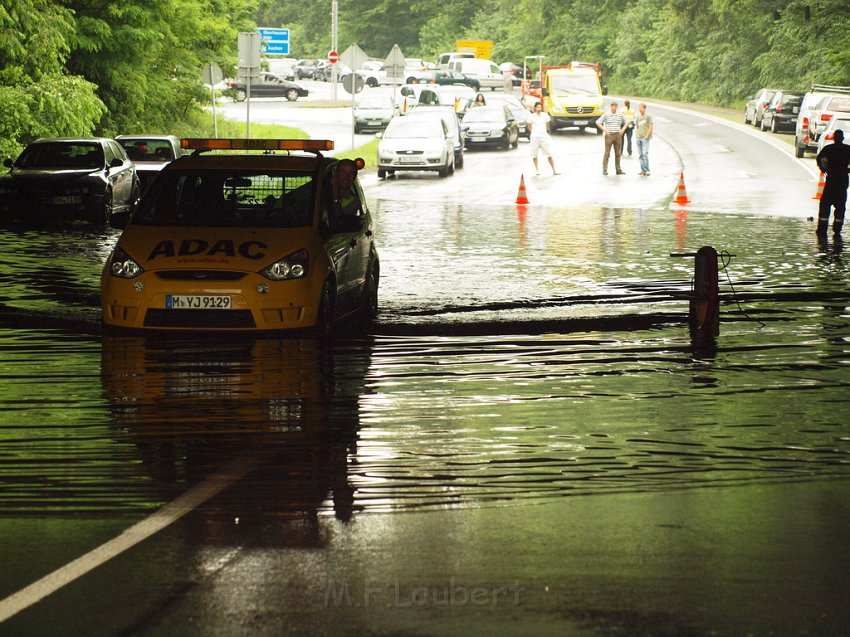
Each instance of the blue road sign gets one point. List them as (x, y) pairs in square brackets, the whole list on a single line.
[(275, 41)]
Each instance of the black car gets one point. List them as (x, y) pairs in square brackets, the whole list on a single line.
[(69, 179), (267, 85), (781, 114), (491, 125)]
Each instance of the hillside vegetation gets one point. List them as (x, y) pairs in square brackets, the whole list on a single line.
[(82, 67)]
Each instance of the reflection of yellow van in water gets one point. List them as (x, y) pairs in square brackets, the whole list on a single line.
[(572, 95)]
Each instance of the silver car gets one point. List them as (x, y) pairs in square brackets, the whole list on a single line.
[(373, 112), (416, 143)]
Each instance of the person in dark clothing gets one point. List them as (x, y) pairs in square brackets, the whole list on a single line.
[(833, 160)]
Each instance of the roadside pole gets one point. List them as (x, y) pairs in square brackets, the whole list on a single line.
[(248, 67)]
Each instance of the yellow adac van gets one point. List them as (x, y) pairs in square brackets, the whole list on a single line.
[(572, 95), (270, 235)]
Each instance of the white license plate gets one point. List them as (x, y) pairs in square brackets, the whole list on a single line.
[(197, 302), (67, 199), (477, 139), (409, 160), (375, 122)]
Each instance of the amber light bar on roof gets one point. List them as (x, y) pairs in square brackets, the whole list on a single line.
[(256, 144)]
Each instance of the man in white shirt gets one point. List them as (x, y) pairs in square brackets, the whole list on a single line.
[(538, 124), (614, 126)]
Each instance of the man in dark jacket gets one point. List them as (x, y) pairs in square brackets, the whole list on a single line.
[(833, 160)]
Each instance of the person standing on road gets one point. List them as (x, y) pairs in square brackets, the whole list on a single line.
[(644, 127), (539, 138), (613, 125), (629, 114), (833, 159)]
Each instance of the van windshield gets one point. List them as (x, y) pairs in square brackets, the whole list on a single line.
[(230, 198), (580, 84)]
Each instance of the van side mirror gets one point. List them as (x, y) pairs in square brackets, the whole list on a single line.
[(545, 92), (605, 89), (8, 163)]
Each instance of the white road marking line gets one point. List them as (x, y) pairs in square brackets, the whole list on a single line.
[(169, 514)]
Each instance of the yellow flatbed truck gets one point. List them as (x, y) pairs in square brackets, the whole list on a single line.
[(572, 94)]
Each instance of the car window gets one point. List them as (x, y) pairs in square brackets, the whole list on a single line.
[(68, 155), (139, 149), (244, 199), (839, 104)]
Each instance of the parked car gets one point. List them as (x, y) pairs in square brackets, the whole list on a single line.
[(755, 107), (373, 73), (322, 71), (267, 85), (825, 110), (781, 114), (802, 141), (69, 179), (421, 143), (448, 77), (245, 242), (491, 125), (457, 95), (485, 72), (150, 154), (515, 71), (841, 121), (373, 112), (283, 67), (452, 121), (518, 109), (444, 59), (304, 69)]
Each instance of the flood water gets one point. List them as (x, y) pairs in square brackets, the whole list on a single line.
[(521, 355)]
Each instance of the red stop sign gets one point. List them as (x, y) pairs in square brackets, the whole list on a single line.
[(333, 57)]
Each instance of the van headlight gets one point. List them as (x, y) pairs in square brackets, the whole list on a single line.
[(293, 266), (123, 266)]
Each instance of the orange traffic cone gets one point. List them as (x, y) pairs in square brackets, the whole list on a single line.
[(521, 197), (821, 184), (681, 193)]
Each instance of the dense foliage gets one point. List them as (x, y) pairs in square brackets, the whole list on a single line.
[(714, 51), (78, 67)]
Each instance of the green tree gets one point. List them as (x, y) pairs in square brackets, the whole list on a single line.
[(38, 98)]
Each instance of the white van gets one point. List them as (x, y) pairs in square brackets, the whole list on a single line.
[(445, 58), (485, 72)]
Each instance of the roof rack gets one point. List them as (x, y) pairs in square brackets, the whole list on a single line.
[(826, 88)]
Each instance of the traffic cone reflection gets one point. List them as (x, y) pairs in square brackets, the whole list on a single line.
[(821, 184), (521, 196), (681, 193)]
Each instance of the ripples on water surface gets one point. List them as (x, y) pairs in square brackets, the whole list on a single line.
[(414, 417)]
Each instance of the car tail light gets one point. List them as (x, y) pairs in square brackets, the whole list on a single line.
[(806, 122), (825, 117), (829, 136), (779, 108)]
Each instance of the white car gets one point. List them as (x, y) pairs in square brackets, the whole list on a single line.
[(827, 137), (416, 143), (373, 112)]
